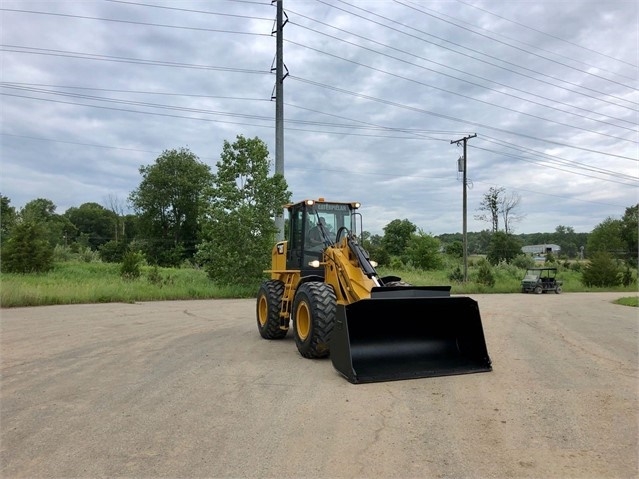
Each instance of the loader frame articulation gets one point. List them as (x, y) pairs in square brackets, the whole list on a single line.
[(374, 329)]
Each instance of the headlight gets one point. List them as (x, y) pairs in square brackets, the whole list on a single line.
[(314, 264), (374, 264)]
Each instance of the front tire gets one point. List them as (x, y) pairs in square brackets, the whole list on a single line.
[(314, 311), (269, 301)]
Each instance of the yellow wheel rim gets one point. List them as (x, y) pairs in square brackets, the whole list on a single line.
[(262, 310), (303, 321)]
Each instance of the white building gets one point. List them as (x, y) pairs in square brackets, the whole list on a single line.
[(537, 249)]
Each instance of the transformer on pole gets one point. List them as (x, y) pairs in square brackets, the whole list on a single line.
[(461, 166)]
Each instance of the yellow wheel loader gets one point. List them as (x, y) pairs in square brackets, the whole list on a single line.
[(374, 328)]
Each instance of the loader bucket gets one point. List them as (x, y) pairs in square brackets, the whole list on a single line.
[(396, 337)]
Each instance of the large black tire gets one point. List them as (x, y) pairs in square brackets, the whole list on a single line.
[(269, 303), (314, 311)]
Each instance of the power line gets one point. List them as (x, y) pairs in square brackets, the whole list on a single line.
[(548, 34), (189, 10), (319, 169), (110, 58), (132, 22), (518, 48), (556, 159), (466, 48), (375, 127), (554, 167), (457, 70), (492, 104), (451, 118), (302, 121), (571, 58), (270, 126)]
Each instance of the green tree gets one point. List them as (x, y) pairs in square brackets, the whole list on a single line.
[(95, 221), (478, 243), (397, 235), (7, 216), (169, 201), (375, 240), (27, 250), (606, 236), (238, 225), (38, 211), (455, 249), (503, 247), (423, 251), (57, 229), (566, 238)]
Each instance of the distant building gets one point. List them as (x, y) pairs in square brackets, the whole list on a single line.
[(541, 249)]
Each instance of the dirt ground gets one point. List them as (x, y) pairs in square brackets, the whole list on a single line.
[(189, 389)]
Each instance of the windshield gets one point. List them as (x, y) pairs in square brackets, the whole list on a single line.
[(328, 218)]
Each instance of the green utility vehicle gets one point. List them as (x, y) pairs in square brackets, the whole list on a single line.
[(541, 280)]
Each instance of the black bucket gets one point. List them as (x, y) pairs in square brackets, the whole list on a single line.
[(398, 337)]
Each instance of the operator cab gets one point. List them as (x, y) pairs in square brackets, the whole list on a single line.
[(313, 225)]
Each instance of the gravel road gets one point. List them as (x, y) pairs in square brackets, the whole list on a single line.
[(189, 389)]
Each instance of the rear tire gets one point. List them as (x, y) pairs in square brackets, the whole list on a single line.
[(269, 303), (314, 311), (558, 290)]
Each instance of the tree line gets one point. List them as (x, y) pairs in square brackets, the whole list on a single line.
[(223, 221)]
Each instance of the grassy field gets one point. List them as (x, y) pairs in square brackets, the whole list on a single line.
[(96, 282)]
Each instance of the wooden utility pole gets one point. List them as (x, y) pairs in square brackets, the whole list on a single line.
[(465, 203)]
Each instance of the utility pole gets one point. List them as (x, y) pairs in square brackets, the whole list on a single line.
[(279, 103), (465, 203)]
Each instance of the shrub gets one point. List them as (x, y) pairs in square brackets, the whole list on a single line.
[(113, 251), (396, 263), (455, 249), (485, 274), (27, 250), (88, 255), (523, 261), (380, 255), (423, 252), (576, 266), (627, 277), (457, 276), (602, 271), (131, 267), (62, 253)]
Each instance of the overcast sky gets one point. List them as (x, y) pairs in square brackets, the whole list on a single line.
[(375, 93)]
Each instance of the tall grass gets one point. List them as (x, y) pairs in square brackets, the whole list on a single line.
[(79, 282), (73, 282), (507, 279)]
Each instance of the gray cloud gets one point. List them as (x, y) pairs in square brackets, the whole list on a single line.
[(377, 90)]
